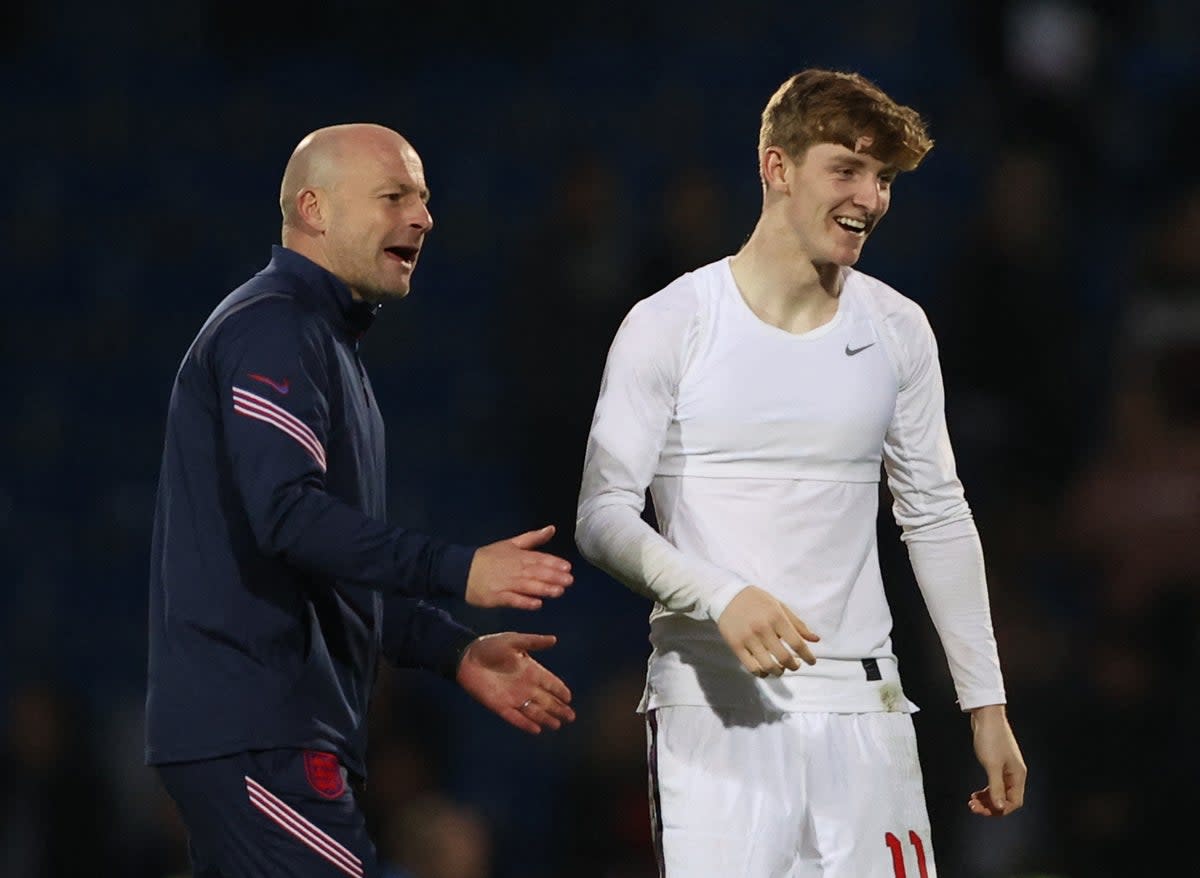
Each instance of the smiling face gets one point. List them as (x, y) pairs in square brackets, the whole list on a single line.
[(355, 202), (830, 145), (835, 197)]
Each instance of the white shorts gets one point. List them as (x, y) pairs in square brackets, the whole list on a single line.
[(736, 794)]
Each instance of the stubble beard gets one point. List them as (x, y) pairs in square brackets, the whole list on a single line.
[(364, 280), (376, 295)]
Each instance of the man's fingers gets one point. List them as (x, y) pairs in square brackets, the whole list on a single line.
[(800, 648), (526, 595), (517, 601), (769, 658), (791, 649), (750, 663), (539, 589), (555, 574), (555, 709), (1015, 794), (545, 559), (768, 666), (996, 790), (563, 711), (783, 654), (514, 717), (797, 636), (1014, 786), (798, 623), (776, 669), (553, 686), (789, 659), (542, 717), (981, 803), (547, 712), (534, 642), (532, 538), (987, 802), (535, 588)]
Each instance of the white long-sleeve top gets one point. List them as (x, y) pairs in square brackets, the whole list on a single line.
[(762, 450)]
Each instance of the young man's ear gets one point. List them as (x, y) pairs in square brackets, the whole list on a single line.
[(775, 168)]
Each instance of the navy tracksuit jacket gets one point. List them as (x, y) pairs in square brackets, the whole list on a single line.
[(275, 581)]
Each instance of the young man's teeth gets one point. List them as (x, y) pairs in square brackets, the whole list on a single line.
[(851, 224)]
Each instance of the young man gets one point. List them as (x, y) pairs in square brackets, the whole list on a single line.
[(757, 398), (276, 583)]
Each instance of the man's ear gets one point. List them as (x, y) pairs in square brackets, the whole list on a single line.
[(312, 209), (775, 167)]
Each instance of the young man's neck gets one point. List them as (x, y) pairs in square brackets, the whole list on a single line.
[(783, 287)]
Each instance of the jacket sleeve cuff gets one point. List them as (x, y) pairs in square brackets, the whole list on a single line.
[(448, 667), (452, 568), (417, 634), (443, 652)]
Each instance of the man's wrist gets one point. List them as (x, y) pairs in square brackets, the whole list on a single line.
[(987, 712), (461, 647)]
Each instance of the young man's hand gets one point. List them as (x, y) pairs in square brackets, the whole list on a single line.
[(766, 636), (998, 753)]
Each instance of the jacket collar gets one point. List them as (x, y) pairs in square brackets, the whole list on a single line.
[(324, 291)]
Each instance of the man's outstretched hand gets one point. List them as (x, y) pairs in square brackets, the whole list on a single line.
[(510, 573), (499, 673)]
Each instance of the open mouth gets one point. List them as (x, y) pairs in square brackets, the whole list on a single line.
[(407, 255), (852, 225)]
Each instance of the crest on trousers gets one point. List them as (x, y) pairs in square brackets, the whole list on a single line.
[(324, 774)]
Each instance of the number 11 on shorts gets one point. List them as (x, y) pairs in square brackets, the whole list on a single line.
[(897, 848)]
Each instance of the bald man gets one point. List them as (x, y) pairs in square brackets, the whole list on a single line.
[(276, 582)]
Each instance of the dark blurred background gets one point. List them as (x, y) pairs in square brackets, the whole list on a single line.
[(579, 160)]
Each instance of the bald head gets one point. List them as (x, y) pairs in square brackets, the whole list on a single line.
[(353, 199), (327, 154)]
